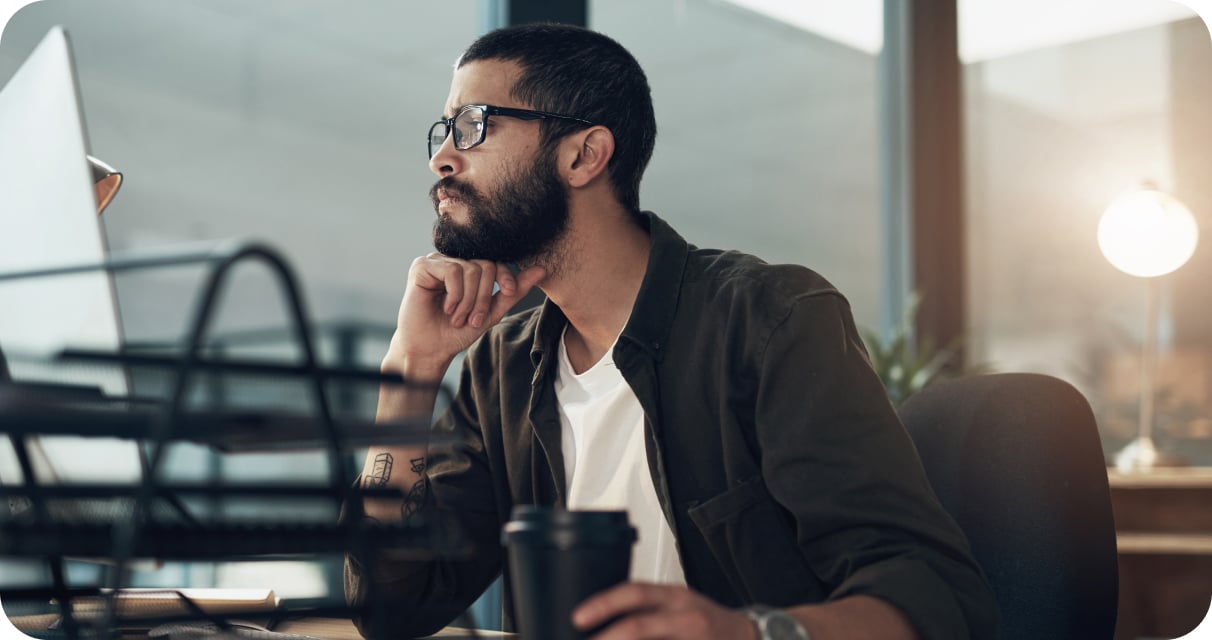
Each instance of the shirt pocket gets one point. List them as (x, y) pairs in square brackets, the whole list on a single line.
[(753, 540)]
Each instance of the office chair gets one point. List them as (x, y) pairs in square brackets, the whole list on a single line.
[(1015, 458)]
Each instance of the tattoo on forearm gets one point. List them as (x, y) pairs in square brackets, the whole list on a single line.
[(380, 473), (415, 497)]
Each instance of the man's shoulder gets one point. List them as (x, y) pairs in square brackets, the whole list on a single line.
[(719, 276), (735, 273)]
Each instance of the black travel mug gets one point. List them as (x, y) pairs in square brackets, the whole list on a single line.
[(557, 559)]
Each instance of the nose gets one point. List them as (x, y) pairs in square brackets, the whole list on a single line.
[(446, 160)]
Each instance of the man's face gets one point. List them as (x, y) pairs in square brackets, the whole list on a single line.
[(502, 200)]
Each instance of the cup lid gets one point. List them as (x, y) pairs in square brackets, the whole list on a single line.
[(585, 526)]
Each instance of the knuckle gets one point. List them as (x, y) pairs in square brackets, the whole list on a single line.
[(632, 627), (421, 263)]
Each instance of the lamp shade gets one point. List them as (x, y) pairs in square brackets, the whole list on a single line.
[(106, 181), (1147, 233)]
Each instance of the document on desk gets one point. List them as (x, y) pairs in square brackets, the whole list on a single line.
[(160, 602)]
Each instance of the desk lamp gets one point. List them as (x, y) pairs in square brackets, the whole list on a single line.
[(106, 181), (1146, 233)]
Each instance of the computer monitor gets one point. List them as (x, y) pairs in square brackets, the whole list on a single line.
[(48, 218)]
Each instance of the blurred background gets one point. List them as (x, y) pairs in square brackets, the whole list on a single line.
[(797, 131)]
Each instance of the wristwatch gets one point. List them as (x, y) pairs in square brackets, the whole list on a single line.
[(776, 624)]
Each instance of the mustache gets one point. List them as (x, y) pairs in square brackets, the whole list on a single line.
[(451, 187)]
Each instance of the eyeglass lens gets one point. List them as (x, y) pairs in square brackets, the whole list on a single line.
[(468, 130)]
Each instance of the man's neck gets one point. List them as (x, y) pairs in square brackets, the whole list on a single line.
[(606, 258)]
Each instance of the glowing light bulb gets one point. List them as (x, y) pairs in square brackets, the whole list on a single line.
[(1147, 233)]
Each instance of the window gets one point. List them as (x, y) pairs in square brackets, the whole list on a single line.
[(767, 131), (1060, 119)]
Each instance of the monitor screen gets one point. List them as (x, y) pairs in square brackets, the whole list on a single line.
[(48, 218)]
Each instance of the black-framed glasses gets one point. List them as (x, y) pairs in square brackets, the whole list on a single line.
[(470, 124)]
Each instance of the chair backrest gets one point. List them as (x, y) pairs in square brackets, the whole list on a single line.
[(1015, 458)]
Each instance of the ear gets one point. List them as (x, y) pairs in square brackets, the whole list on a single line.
[(585, 154)]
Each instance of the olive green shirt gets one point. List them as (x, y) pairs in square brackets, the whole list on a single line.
[(778, 460)]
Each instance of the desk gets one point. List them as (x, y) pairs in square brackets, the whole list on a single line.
[(324, 628), (334, 629), (1163, 523)]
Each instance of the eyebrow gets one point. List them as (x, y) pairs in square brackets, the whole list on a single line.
[(457, 109)]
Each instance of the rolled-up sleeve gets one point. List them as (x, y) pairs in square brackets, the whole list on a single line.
[(836, 457), (401, 596)]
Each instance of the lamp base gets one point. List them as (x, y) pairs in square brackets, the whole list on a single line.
[(1139, 455)]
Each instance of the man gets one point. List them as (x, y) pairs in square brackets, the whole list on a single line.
[(726, 403)]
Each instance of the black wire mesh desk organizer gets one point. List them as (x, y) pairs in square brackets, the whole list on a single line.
[(151, 518)]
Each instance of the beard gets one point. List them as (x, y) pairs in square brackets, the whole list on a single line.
[(519, 223)]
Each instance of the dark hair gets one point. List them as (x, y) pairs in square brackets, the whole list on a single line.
[(581, 73)]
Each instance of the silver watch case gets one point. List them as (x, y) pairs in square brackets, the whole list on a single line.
[(776, 624)]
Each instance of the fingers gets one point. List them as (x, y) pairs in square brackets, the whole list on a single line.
[(623, 599), (488, 276), (651, 611), (438, 276), (466, 288), (528, 278), (472, 273), (652, 625), (513, 290), (505, 280)]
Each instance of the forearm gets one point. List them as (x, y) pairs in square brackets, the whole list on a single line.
[(396, 602), (400, 467), (854, 618), (398, 597)]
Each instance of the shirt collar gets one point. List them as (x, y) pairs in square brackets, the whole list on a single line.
[(651, 317)]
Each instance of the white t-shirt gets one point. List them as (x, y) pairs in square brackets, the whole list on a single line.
[(606, 463)]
